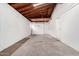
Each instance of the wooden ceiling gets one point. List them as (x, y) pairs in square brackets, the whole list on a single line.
[(32, 12)]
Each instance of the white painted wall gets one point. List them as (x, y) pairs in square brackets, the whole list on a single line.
[(59, 10), (50, 27), (13, 26), (38, 28), (62, 8), (44, 28), (51, 30), (64, 24), (67, 26)]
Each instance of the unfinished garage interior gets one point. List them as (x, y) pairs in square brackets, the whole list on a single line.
[(39, 29)]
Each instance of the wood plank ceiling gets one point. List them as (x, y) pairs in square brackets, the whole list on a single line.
[(33, 12)]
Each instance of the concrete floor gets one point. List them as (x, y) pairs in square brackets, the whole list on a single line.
[(44, 45), (8, 51)]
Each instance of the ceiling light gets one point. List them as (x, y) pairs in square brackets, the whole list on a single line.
[(36, 4)]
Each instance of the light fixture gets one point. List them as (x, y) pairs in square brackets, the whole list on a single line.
[(36, 4)]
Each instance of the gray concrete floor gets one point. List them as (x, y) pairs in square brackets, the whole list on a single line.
[(8, 51), (44, 45)]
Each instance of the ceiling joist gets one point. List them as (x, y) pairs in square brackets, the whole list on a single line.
[(30, 11)]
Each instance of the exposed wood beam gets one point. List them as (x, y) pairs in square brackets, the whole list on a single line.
[(29, 11), (35, 8), (25, 8)]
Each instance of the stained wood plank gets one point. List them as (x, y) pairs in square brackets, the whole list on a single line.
[(29, 11)]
